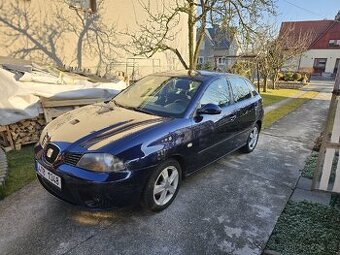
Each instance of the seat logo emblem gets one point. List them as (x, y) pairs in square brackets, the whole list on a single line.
[(49, 153)]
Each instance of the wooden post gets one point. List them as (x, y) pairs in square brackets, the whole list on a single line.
[(331, 136)]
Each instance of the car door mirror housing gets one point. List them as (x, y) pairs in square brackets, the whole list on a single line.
[(209, 109)]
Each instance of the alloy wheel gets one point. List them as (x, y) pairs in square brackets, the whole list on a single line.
[(253, 137), (166, 185)]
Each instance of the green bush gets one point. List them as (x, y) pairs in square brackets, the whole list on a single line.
[(288, 76), (208, 66), (297, 77)]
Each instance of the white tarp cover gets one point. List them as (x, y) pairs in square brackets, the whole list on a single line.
[(19, 100)]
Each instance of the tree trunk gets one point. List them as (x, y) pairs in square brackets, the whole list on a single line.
[(265, 79), (258, 78), (200, 33), (274, 78), (191, 28)]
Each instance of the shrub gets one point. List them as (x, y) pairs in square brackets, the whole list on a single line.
[(208, 66), (288, 76), (297, 77)]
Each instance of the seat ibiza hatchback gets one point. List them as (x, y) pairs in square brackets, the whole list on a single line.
[(140, 145)]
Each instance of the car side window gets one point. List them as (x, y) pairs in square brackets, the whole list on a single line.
[(217, 93), (252, 87), (240, 89)]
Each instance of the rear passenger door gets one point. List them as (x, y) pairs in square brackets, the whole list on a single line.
[(245, 106)]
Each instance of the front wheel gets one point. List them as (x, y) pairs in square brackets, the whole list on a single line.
[(163, 185), (252, 140)]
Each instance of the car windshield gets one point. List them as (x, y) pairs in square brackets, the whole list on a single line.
[(159, 95)]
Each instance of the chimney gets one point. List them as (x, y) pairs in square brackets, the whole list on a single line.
[(337, 17)]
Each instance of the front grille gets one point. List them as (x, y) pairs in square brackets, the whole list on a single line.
[(51, 153), (72, 158)]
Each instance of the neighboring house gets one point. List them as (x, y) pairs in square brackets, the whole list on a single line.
[(48, 31), (218, 49), (323, 54)]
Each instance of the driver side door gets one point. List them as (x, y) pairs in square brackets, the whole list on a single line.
[(214, 132)]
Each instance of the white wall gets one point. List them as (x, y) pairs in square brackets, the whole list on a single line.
[(307, 60), (120, 14)]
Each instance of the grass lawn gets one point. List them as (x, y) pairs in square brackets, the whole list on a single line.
[(21, 170), (306, 228), (273, 96), (284, 110)]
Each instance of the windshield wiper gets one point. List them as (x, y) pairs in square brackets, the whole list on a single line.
[(137, 109)]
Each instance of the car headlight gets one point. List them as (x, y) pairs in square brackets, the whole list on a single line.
[(101, 162)]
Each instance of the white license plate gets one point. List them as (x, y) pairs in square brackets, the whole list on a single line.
[(48, 175)]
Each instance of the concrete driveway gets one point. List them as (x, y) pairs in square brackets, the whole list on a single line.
[(230, 207)]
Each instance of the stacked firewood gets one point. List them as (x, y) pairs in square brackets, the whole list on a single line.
[(26, 131)]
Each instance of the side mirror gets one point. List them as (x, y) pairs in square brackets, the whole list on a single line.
[(209, 109)]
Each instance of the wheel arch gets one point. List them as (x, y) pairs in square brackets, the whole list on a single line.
[(180, 159), (259, 123)]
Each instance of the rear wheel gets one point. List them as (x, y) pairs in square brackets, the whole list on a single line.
[(163, 186), (252, 140)]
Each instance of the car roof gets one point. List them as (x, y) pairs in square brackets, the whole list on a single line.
[(197, 75)]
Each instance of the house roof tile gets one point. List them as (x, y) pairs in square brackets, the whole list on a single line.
[(316, 28)]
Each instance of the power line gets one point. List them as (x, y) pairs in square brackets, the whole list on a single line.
[(304, 9)]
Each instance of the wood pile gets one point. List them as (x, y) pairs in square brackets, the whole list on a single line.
[(23, 132), (28, 131)]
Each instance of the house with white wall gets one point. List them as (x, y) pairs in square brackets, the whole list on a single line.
[(323, 54), (218, 49)]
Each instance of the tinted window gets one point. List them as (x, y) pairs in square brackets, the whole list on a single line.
[(217, 93), (240, 89)]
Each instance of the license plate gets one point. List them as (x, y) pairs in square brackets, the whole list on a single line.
[(48, 175)]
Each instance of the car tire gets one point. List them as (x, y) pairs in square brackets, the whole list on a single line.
[(162, 186), (252, 140)]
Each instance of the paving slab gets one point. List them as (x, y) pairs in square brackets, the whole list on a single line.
[(230, 207), (304, 183), (300, 195)]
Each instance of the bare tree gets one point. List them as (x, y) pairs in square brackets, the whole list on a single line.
[(286, 47), (158, 33), (43, 33), (276, 51)]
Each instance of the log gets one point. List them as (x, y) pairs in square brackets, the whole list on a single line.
[(24, 132)]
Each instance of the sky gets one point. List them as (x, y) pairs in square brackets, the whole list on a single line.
[(295, 10)]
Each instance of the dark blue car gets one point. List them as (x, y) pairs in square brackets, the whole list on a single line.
[(143, 143)]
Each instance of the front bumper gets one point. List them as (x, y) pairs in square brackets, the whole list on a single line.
[(108, 193)]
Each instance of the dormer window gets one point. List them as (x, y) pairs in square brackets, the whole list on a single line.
[(334, 43)]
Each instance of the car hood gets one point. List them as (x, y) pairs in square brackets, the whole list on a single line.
[(93, 127)]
